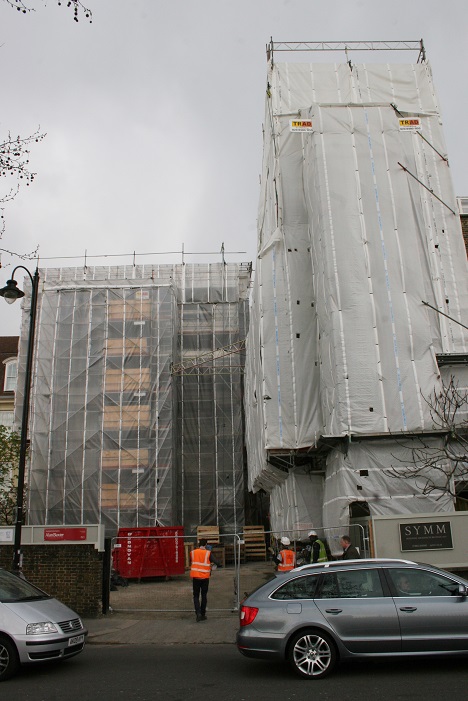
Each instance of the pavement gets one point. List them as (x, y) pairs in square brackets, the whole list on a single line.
[(115, 629), (137, 613)]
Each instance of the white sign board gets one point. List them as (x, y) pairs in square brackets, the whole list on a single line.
[(7, 535)]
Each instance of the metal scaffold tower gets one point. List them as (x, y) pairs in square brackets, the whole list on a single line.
[(205, 364)]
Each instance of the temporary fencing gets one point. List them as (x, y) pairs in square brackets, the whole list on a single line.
[(151, 571)]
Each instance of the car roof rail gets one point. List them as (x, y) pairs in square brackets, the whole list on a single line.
[(343, 563)]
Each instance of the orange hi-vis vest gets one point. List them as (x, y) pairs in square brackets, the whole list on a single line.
[(201, 565), (287, 561)]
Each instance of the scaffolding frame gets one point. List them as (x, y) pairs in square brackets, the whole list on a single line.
[(199, 364), (415, 45), (108, 411), (212, 484)]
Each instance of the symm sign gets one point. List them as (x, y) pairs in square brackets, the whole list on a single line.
[(435, 535)]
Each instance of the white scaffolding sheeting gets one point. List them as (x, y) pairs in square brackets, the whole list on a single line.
[(372, 483), (292, 505), (357, 229)]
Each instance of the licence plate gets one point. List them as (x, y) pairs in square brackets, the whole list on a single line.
[(76, 640)]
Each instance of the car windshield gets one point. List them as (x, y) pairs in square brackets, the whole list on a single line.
[(14, 589)]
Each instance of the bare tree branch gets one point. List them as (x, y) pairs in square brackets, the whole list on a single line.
[(439, 465), (14, 163), (76, 6), (14, 152), (32, 255), (14, 159)]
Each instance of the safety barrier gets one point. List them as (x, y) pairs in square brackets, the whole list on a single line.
[(151, 573)]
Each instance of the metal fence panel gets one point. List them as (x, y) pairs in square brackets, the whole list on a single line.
[(160, 570)]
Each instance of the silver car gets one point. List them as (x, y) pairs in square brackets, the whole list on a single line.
[(34, 626), (315, 615)]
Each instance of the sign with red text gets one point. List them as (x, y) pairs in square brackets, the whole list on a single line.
[(58, 535), (300, 125), (412, 124)]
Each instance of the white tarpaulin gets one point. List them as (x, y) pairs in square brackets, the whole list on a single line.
[(358, 228), (363, 473)]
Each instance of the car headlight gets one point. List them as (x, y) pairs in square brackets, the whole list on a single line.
[(40, 628)]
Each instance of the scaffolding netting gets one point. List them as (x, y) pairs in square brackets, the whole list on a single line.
[(116, 438)]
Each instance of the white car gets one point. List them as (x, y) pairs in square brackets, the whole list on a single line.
[(34, 626)]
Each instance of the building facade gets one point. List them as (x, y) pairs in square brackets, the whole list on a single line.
[(8, 378)]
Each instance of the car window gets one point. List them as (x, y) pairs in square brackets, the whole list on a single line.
[(351, 584), (298, 588), (412, 582), (13, 589)]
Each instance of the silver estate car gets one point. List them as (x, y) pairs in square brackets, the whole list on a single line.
[(315, 615), (34, 626)]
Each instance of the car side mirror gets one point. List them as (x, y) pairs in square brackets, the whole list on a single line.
[(462, 590)]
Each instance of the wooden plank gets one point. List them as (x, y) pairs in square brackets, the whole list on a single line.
[(110, 498), (229, 552), (130, 380), (126, 458), (254, 540), (127, 346), (129, 416), (210, 533), (130, 309)]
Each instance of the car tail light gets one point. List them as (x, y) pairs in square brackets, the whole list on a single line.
[(247, 615)]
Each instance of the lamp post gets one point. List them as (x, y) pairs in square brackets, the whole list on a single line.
[(11, 293)]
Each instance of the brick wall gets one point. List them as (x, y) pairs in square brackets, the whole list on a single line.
[(71, 573), (464, 224)]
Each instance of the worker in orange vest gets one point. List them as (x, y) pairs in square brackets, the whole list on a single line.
[(286, 557), (202, 561)]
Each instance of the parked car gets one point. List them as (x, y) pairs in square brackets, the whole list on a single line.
[(34, 626), (316, 615)]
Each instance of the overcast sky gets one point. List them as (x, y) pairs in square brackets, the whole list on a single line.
[(154, 112)]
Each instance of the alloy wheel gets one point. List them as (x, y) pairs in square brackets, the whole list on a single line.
[(312, 655)]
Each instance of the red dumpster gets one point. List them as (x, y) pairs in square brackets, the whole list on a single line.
[(149, 552)]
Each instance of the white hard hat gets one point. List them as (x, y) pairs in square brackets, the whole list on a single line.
[(285, 541), (311, 533)]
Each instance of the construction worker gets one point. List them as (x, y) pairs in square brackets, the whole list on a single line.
[(315, 551), (286, 558), (202, 561)]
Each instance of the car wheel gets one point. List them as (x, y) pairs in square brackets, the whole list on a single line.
[(9, 661), (312, 654)]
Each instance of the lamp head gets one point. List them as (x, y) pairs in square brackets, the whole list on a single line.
[(10, 292)]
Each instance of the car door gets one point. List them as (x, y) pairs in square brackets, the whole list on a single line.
[(360, 611), (431, 613), (289, 606)]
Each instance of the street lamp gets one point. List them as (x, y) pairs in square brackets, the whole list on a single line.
[(11, 293)]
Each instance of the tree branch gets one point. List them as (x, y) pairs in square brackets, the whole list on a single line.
[(439, 468), (75, 5)]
